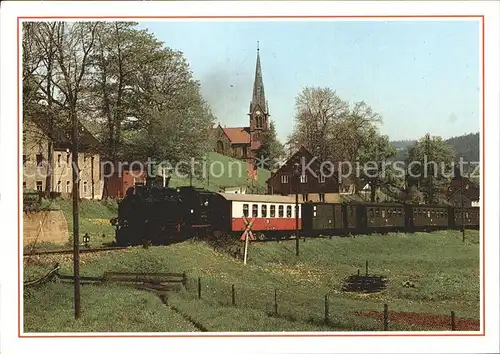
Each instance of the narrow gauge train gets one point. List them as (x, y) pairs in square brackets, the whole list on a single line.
[(161, 215)]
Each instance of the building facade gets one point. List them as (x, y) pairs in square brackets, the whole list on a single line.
[(463, 190), (38, 170), (315, 184)]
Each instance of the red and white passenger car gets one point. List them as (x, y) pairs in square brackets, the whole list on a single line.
[(270, 215)]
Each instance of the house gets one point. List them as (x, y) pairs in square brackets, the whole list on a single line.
[(38, 171), (317, 184), (244, 142), (119, 181), (462, 189)]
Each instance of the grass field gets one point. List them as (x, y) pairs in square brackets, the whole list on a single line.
[(445, 272), (226, 172)]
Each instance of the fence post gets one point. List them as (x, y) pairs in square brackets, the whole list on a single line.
[(386, 317), (233, 295), (276, 302), (452, 320), (199, 288), (366, 268), (327, 319), (184, 279), (358, 272)]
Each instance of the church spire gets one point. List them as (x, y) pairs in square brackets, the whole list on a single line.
[(258, 96)]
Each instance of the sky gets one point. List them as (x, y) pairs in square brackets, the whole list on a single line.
[(420, 76)]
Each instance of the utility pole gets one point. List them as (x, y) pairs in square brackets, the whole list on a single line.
[(76, 185), (297, 183), (462, 202), (427, 152), (92, 175)]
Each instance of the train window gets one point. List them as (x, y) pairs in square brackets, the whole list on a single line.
[(377, 212), (399, 212), (351, 211), (272, 211), (263, 210), (255, 210), (428, 213), (466, 214), (280, 211), (383, 213), (245, 209), (288, 211), (371, 212)]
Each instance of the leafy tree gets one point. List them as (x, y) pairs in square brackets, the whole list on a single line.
[(430, 166), (271, 148), (374, 153)]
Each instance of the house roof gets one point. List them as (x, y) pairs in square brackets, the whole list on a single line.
[(302, 151), (238, 135), (470, 189), (258, 198), (61, 135)]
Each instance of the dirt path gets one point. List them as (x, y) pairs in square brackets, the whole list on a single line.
[(426, 320)]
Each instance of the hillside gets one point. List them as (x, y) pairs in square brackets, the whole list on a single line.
[(226, 172), (466, 146)]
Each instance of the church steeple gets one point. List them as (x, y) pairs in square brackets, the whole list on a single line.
[(258, 102)]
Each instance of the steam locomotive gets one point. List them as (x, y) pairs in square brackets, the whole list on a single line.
[(161, 215)]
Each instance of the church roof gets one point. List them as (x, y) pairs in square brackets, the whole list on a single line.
[(239, 135)]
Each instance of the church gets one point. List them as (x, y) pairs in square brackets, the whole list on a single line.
[(244, 142)]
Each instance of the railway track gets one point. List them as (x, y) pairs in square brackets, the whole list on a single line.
[(70, 251)]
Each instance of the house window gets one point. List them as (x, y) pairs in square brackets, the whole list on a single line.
[(24, 185), (245, 210), (67, 159), (85, 187), (58, 160), (288, 211), (273, 211), (305, 197), (263, 210), (321, 178), (280, 211), (39, 159), (322, 197), (303, 179), (58, 187), (68, 187), (284, 179), (255, 210), (39, 186)]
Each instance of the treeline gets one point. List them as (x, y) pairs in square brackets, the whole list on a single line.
[(135, 94), (338, 131), (466, 146)]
